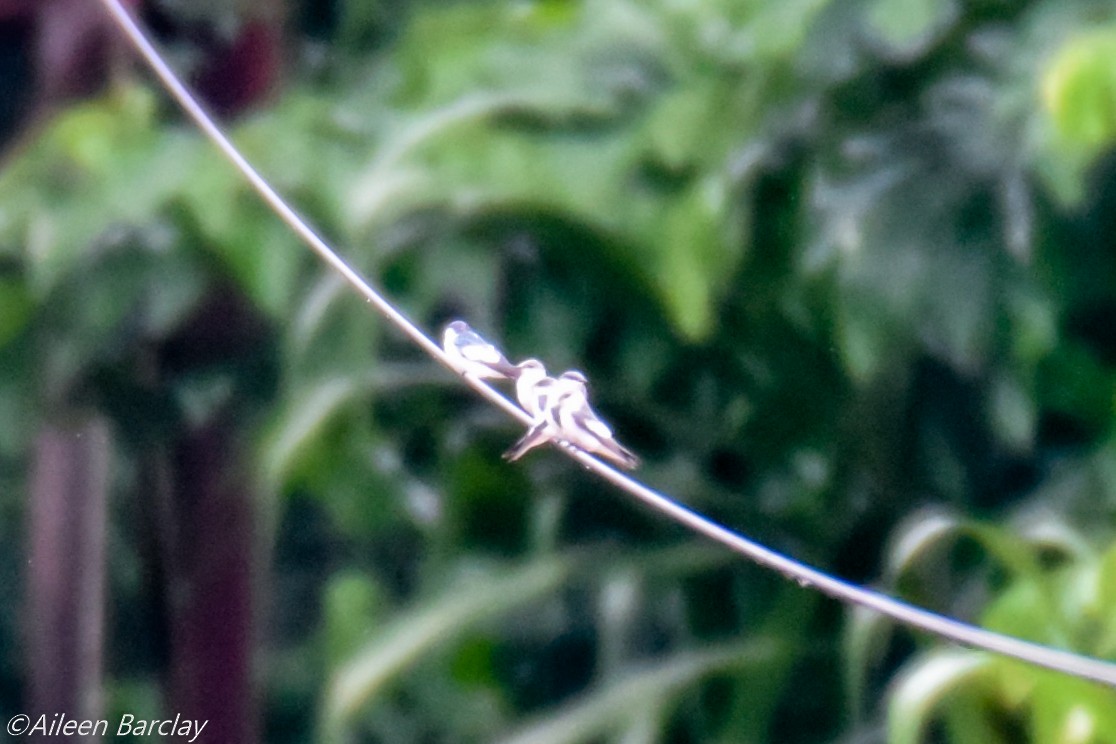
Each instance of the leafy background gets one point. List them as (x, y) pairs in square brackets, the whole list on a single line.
[(841, 271)]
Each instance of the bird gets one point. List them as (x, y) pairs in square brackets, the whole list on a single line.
[(534, 390), (562, 413), (532, 386), (537, 393), (582, 427), (471, 355)]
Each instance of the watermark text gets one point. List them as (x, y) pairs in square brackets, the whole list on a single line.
[(60, 724)]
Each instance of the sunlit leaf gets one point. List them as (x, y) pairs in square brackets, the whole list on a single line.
[(1025, 610), (926, 531), (922, 532), (918, 693), (1070, 710), (1079, 89), (1106, 600), (1078, 107)]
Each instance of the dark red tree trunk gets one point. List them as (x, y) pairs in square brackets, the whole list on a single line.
[(66, 571), (209, 589)]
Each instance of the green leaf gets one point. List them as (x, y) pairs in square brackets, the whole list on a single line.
[(695, 255), (919, 534), (924, 686), (925, 532), (304, 419), (1105, 608), (865, 341), (1079, 90), (98, 164), (779, 30), (352, 607), (1069, 711), (866, 638), (333, 335), (1027, 610), (16, 308), (1012, 413), (540, 117), (909, 26), (263, 257), (625, 701), (431, 625), (19, 417)]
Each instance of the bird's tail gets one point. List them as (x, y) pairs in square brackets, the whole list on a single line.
[(535, 436), (619, 455), (505, 368)]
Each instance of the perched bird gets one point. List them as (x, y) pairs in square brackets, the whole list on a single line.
[(534, 390), (472, 355), (532, 386), (580, 425), (563, 413)]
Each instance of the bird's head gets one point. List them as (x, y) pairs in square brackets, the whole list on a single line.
[(574, 376), (532, 369)]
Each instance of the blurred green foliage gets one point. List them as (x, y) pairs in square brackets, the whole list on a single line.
[(827, 264)]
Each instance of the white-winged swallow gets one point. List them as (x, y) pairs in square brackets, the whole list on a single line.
[(474, 356), (562, 412), (532, 386)]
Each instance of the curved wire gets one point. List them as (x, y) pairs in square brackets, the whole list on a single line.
[(952, 630)]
